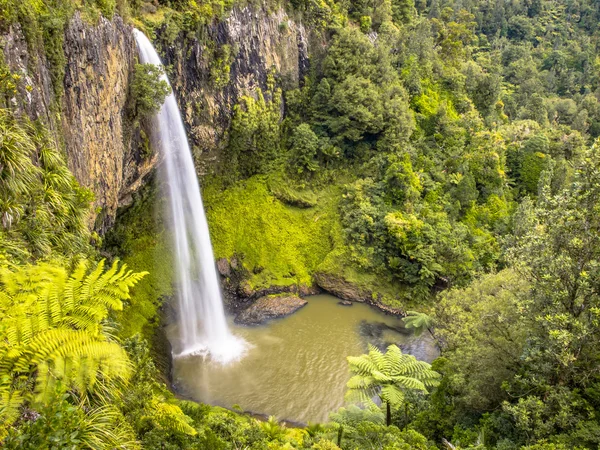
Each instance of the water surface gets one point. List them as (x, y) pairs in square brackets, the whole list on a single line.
[(296, 367)]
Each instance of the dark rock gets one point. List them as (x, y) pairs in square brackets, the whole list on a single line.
[(345, 303), (223, 267), (304, 290), (341, 288), (270, 307), (337, 285)]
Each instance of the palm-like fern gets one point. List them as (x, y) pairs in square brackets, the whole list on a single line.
[(387, 375), (417, 321), (170, 417), (52, 330), (41, 204)]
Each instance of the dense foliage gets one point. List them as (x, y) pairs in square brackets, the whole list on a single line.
[(42, 207), (439, 153), (148, 90), (435, 121)]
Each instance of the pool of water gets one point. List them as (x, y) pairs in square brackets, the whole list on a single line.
[(295, 368)]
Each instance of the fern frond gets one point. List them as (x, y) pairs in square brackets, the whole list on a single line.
[(361, 365), (377, 357), (170, 417), (392, 395)]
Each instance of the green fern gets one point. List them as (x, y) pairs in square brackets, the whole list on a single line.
[(387, 375), (52, 331), (42, 207), (419, 322), (170, 417)]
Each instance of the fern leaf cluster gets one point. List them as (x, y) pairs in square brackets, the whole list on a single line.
[(170, 417), (42, 207), (417, 321), (387, 375), (53, 334)]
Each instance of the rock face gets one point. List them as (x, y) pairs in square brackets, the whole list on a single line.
[(100, 61), (341, 288), (35, 93), (89, 115), (257, 42), (270, 307), (350, 292), (208, 78)]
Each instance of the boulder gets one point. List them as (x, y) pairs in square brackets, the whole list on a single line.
[(270, 307), (223, 267)]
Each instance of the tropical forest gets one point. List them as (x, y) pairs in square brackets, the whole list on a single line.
[(300, 224)]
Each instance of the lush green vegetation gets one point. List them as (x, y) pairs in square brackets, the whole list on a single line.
[(388, 375), (441, 153), (42, 208), (278, 245), (148, 90), (427, 134)]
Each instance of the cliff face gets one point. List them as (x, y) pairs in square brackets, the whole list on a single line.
[(234, 58), (100, 60), (249, 43), (89, 116)]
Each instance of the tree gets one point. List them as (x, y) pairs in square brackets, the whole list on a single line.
[(419, 322), (305, 144), (388, 375), (482, 329), (149, 89)]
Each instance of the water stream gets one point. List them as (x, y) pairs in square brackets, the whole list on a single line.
[(295, 367), (203, 327)]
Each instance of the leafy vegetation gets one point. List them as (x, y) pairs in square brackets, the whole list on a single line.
[(439, 154), (148, 90), (55, 345), (388, 375), (42, 207)]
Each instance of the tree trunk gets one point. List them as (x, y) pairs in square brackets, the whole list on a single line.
[(389, 414)]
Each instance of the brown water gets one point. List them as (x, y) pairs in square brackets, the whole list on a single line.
[(295, 368)]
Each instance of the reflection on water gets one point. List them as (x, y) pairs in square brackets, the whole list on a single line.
[(296, 367)]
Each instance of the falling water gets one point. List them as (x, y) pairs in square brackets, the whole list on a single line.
[(203, 327)]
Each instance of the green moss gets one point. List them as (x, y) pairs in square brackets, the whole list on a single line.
[(279, 245), (282, 245), (139, 240)]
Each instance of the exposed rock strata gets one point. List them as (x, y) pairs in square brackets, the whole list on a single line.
[(89, 116), (337, 285), (100, 61), (260, 41)]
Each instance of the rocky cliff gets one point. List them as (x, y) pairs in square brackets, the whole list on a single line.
[(100, 61), (86, 113), (234, 58)]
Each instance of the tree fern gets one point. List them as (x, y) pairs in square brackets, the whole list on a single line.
[(387, 375), (419, 322), (52, 330)]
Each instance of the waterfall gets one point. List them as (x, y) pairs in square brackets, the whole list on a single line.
[(202, 323)]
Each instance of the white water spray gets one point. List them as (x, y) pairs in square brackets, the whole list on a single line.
[(203, 327)]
